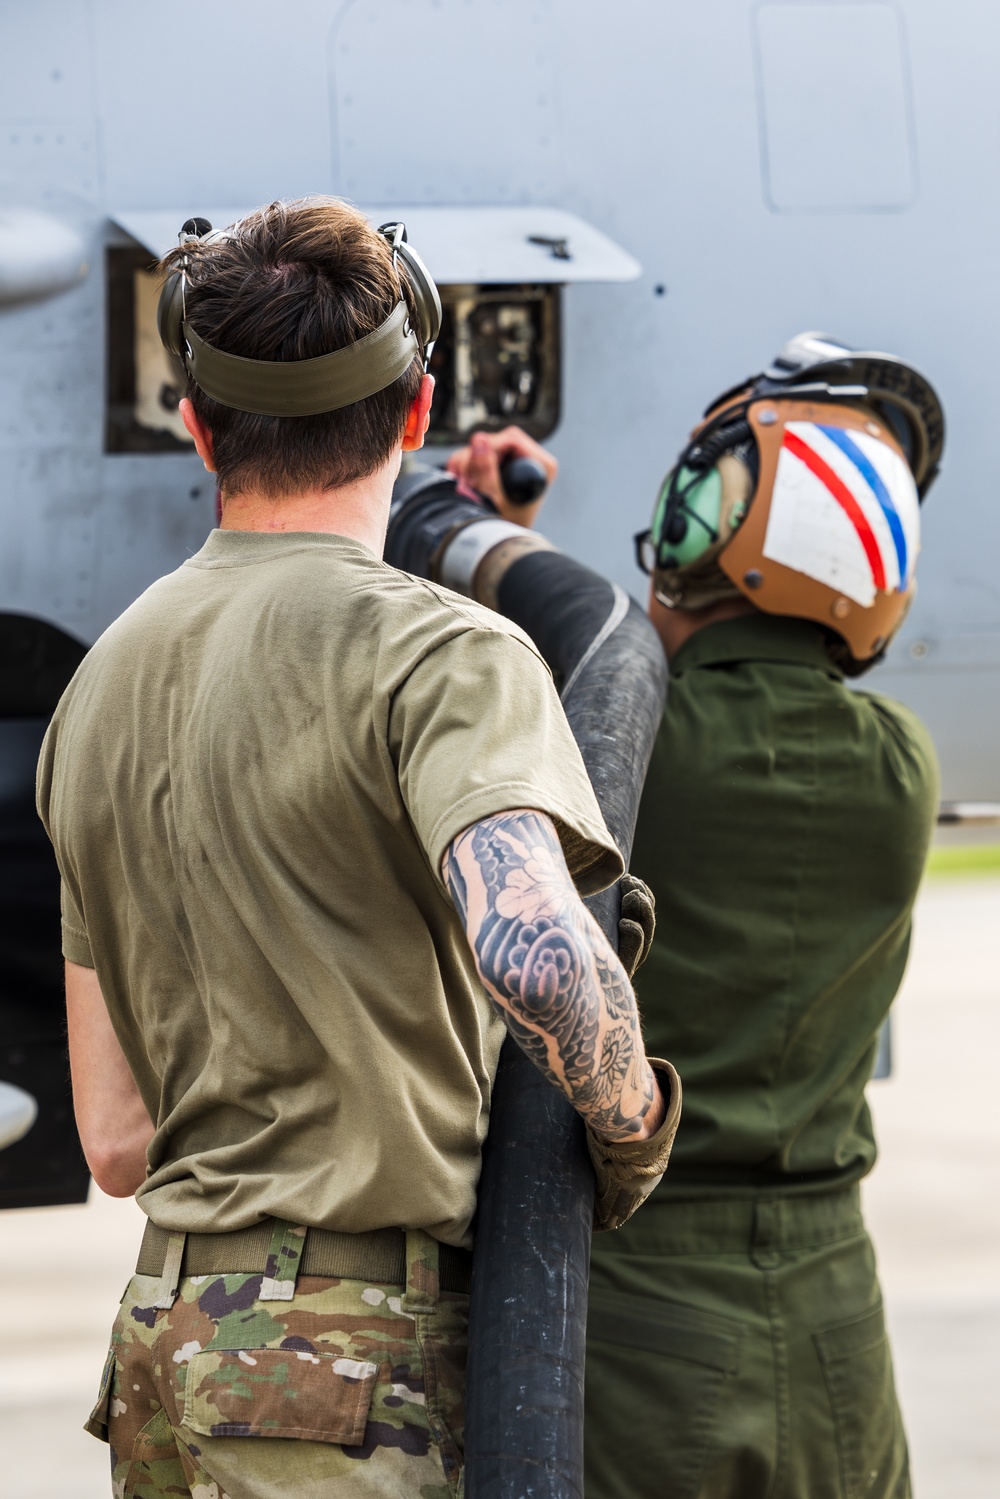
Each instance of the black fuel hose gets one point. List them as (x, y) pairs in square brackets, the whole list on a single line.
[(528, 1313)]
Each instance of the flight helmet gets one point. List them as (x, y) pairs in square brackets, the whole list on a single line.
[(800, 490)]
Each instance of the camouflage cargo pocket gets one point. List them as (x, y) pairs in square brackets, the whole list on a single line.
[(97, 1422), (279, 1392)]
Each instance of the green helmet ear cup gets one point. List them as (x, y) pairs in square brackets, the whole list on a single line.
[(698, 515), (703, 509)]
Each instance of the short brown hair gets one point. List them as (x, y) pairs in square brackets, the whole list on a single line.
[(293, 281)]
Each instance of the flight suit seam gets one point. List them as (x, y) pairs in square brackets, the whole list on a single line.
[(805, 835), (779, 1353)]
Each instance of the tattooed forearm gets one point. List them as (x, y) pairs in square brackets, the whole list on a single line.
[(550, 970)]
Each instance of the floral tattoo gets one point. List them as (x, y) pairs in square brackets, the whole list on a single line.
[(549, 969)]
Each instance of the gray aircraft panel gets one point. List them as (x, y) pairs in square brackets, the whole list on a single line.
[(465, 245), (772, 167)]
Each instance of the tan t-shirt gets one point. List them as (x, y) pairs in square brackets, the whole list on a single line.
[(250, 784)]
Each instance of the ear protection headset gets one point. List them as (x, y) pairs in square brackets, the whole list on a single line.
[(302, 387)]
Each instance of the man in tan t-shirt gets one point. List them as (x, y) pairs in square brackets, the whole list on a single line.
[(322, 829)]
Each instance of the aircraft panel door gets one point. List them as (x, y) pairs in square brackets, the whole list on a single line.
[(835, 114)]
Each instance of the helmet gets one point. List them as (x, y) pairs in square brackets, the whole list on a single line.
[(800, 489)]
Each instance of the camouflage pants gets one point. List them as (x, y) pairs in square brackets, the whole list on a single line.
[(344, 1388)]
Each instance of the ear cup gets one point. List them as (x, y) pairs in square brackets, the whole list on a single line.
[(693, 526), (170, 308), (425, 294), (169, 313)]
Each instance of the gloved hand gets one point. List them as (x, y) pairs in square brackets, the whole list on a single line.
[(637, 922), (628, 1170)]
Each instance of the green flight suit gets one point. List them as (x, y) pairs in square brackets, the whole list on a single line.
[(736, 1343)]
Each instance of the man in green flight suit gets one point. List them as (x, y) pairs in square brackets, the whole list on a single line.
[(736, 1342), (737, 1345)]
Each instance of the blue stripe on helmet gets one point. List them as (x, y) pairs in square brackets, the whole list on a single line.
[(845, 442)]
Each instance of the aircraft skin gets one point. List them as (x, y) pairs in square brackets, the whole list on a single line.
[(773, 166)]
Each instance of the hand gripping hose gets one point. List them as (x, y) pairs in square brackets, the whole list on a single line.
[(528, 1315)]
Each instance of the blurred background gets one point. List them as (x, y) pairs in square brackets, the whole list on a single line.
[(627, 213)]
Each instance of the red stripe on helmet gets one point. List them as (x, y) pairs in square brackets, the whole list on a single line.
[(833, 482)]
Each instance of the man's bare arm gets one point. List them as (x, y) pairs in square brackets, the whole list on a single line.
[(115, 1128), (552, 973)]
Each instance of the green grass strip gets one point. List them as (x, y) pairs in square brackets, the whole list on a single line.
[(965, 858)]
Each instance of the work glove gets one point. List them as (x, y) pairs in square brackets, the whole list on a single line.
[(637, 922), (628, 1170)]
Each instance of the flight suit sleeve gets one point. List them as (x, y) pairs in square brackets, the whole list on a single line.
[(908, 751), (476, 729), (905, 780)]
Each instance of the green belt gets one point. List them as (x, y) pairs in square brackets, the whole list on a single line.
[(379, 1256), (730, 1225)]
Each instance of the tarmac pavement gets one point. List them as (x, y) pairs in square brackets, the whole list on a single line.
[(933, 1200), (933, 1204)]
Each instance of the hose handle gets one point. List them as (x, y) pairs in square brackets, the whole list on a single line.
[(524, 480)]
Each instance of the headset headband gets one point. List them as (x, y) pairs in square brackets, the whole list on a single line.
[(304, 387)]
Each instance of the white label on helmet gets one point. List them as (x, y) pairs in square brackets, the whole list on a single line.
[(844, 511)]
